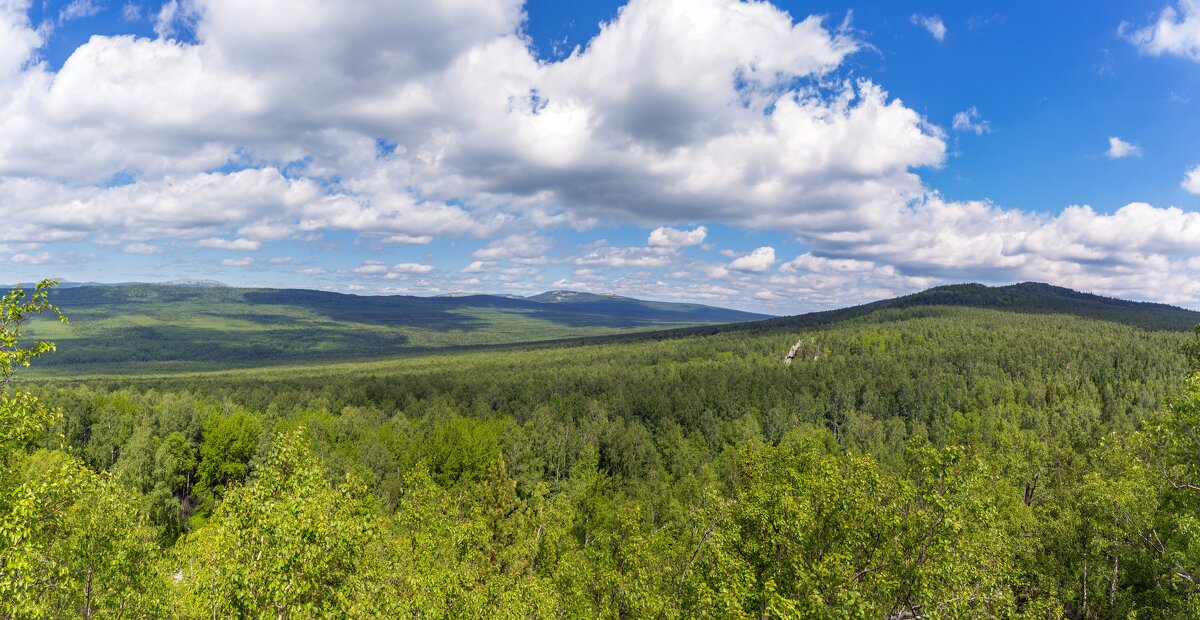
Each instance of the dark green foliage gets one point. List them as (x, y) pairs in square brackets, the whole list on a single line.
[(229, 443)]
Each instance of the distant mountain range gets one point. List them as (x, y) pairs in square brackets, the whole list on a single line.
[(201, 325), (200, 321)]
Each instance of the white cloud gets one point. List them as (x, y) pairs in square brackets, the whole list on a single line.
[(371, 267), (204, 204), (141, 248), (409, 239), (757, 261), (1077, 247), (489, 132), (23, 258), (1118, 148), (379, 268), (1177, 32), (18, 41), (815, 264), (515, 246), (227, 244), (78, 9), (931, 23), (1191, 180), (237, 262), (131, 12), (675, 238), (414, 268), (970, 120), (175, 15), (267, 230), (622, 258), (478, 267)]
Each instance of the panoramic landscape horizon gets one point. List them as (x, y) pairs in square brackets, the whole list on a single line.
[(745, 309)]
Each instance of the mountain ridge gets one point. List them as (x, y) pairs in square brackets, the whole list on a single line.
[(1022, 297)]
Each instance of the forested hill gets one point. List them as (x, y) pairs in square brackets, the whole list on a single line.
[(225, 326), (1026, 297), (1041, 298)]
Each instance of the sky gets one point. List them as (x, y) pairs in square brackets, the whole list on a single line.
[(779, 157)]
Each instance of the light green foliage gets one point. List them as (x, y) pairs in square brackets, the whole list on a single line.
[(1170, 448), (15, 310), (469, 553), (73, 543), (815, 533), (287, 545), (21, 415)]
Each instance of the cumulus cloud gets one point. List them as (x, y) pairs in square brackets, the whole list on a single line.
[(932, 23), (1118, 148), (1176, 32), (718, 124), (970, 120), (343, 78), (1191, 180), (237, 262), (203, 204), (757, 261), (1138, 250), (674, 238)]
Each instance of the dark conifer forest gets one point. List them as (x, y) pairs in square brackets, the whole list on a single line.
[(968, 452)]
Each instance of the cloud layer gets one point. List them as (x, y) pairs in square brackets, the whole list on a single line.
[(247, 123)]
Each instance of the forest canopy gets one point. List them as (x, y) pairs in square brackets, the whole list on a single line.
[(932, 461)]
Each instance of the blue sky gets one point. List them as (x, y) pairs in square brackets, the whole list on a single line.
[(744, 155)]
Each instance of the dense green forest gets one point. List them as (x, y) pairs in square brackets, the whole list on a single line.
[(1021, 453), (138, 328)]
